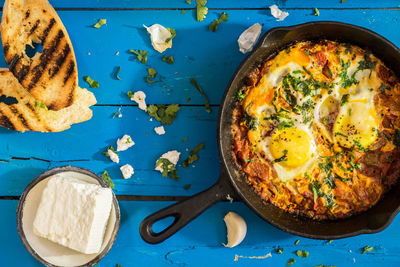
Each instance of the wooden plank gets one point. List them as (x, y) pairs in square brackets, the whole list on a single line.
[(83, 145), (209, 57), (200, 242), (222, 4)]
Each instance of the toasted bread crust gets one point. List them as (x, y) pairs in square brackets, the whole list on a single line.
[(29, 115), (51, 77)]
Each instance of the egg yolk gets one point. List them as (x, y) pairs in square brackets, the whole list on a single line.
[(291, 147), (356, 125)]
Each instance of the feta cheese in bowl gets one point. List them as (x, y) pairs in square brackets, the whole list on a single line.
[(60, 243)]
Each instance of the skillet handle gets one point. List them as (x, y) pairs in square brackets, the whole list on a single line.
[(185, 211)]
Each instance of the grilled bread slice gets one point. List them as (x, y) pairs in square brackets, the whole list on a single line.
[(51, 76), (30, 115)]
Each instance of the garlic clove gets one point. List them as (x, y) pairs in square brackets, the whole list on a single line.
[(236, 228)]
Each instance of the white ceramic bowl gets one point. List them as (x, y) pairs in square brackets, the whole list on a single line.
[(50, 253)]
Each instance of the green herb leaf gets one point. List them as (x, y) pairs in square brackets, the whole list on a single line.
[(290, 262), (281, 159), (360, 147), (151, 74), (296, 242), (367, 249), (302, 253), (116, 113), (214, 25), (129, 94), (341, 134), (367, 63), (187, 187), (251, 122), (344, 99), (168, 168), (100, 23), (315, 187), (201, 9), (316, 12), (188, 2), (112, 149), (169, 60), (345, 79), (240, 94), (285, 124), (165, 114), (184, 139), (106, 177), (173, 34), (40, 105), (206, 103), (117, 72), (279, 250), (141, 55), (92, 83), (193, 156)]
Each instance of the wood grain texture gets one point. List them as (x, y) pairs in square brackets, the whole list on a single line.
[(200, 242)]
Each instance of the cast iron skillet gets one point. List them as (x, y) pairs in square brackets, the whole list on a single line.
[(233, 183)]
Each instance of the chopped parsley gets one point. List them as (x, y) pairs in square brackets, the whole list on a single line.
[(240, 94), (367, 249), (384, 87), (106, 177), (169, 60), (290, 99), (40, 105), (141, 55), (129, 94), (165, 114), (117, 73), (168, 168), (184, 139), (251, 122), (341, 134), (344, 99), (201, 9), (367, 63), (112, 149), (100, 23), (315, 187), (214, 25), (316, 12), (330, 181), (307, 52), (285, 124), (193, 155), (206, 103), (116, 114), (279, 250), (187, 187), (283, 158), (302, 253), (290, 262), (151, 74), (345, 79), (92, 83), (188, 2), (360, 147), (305, 110), (296, 242), (173, 34)]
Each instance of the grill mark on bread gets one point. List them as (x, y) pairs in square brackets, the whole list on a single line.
[(47, 30), (70, 70), (34, 26), (60, 60), (22, 73), (19, 115), (71, 96), (6, 122), (13, 62), (45, 58)]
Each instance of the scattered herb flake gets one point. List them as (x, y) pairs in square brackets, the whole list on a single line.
[(251, 122), (296, 242), (168, 168), (100, 23), (117, 73), (193, 156), (316, 12), (184, 139), (343, 1), (173, 34), (360, 147), (206, 103), (367, 249), (188, 2), (285, 124), (169, 60), (141, 55), (344, 99), (201, 9), (187, 187), (129, 94), (165, 114), (290, 262), (92, 83), (279, 250), (214, 25), (116, 114), (302, 253), (151, 74), (281, 159), (240, 96), (106, 177), (40, 105), (112, 149)]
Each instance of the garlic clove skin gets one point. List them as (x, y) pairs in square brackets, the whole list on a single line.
[(236, 229)]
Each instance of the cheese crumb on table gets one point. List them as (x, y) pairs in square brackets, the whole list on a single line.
[(124, 143), (73, 213), (172, 156), (140, 98), (113, 156), (127, 171), (159, 130)]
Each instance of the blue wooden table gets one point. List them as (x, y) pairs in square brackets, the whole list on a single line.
[(211, 58)]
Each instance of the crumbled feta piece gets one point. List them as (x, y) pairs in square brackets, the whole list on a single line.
[(140, 98), (124, 143), (248, 38), (158, 35), (113, 156), (73, 213), (277, 13), (127, 171), (120, 115), (159, 130), (172, 156)]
